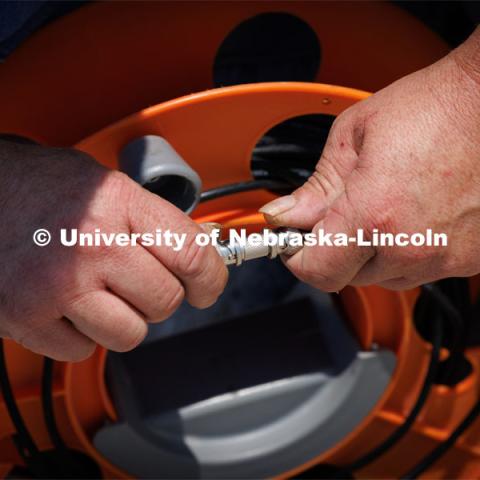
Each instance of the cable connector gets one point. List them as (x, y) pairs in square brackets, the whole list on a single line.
[(283, 241)]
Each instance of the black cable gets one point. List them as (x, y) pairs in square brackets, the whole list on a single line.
[(451, 313), (437, 452), (264, 183), (62, 461), (27, 445), (456, 330), (23, 440), (47, 405), (453, 317), (389, 442), (58, 463)]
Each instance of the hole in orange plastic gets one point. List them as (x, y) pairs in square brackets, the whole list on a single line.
[(270, 47)]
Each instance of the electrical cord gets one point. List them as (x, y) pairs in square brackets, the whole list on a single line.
[(437, 452), (393, 438), (284, 180), (451, 315), (47, 375), (455, 331), (445, 314), (62, 462), (47, 405), (257, 184), (24, 441)]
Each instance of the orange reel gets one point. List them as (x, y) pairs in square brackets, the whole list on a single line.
[(97, 87), (229, 114)]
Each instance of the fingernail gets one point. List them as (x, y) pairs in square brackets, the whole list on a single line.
[(278, 206)]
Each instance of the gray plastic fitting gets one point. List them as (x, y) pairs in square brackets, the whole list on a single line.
[(153, 163)]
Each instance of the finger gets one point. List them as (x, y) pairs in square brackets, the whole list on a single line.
[(330, 268), (140, 279), (408, 282), (200, 269), (400, 283), (108, 320), (59, 340), (308, 204), (396, 263), (377, 270)]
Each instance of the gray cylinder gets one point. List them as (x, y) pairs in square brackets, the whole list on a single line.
[(153, 163)]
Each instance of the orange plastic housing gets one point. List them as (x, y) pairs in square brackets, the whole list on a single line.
[(92, 68)]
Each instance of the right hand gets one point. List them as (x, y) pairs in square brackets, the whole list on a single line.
[(404, 160), (61, 301)]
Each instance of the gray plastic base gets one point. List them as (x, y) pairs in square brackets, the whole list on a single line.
[(265, 380), (256, 433)]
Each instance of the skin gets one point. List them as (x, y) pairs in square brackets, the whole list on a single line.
[(403, 160), (63, 301)]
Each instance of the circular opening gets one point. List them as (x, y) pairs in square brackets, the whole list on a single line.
[(176, 189), (290, 150), (269, 47)]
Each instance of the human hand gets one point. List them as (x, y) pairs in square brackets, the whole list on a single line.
[(61, 301), (403, 160)]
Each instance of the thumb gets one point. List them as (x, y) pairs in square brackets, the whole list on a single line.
[(307, 205)]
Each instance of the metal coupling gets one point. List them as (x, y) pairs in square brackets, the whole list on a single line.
[(235, 253)]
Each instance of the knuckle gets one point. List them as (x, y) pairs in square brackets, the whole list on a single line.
[(397, 285), (219, 277), (170, 301), (412, 255), (118, 181), (205, 302), (322, 281), (192, 261), (23, 336), (319, 183), (27, 329), (213, 286), (174, 299), (459, 264), (342, 122), (113, 198), (77, 301), (222, 278), (132, 338), (78, 354), (382, 218), (124, 192)]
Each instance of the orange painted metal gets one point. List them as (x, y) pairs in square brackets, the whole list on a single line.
[(108, 60)]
